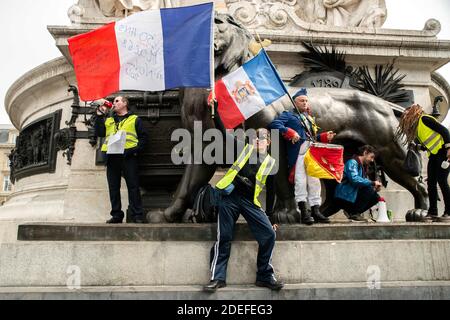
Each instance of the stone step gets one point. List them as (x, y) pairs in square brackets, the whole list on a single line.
[(207, 232), (418, 290), (155, 263)]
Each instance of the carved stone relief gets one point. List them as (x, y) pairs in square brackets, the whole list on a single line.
[(117, 8), (355, 13), (273, 14), (35, 148), (121, 8), (254, 14)]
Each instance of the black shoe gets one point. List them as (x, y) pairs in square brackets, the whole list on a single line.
[(137, 220), (305, 214), (214, 285), (272, 284), (318, 217), (114, 220)]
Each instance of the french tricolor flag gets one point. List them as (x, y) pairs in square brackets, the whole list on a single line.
[(152, 50), (246, 91)]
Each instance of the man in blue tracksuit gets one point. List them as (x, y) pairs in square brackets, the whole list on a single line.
[(239, 192), (356, 194)]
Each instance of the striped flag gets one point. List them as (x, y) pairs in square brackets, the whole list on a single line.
[(249, 89), (151, 50)]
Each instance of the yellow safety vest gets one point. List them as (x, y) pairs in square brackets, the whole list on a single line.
[(128, 125), (429, 138), (261, 175)]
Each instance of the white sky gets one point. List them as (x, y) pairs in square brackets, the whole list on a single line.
[(27, 43)]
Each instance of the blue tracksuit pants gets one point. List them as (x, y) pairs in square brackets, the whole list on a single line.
[(230, 206)]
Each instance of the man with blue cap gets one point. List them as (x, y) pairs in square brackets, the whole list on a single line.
[(301, 130)]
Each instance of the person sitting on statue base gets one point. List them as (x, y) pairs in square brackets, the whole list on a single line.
[(356, 193)]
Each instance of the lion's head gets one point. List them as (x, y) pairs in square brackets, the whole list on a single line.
[(231, 44)]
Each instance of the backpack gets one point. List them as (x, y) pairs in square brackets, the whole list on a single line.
[(204, 209), (413, 161)]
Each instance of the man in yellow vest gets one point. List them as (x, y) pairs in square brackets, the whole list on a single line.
[(238, 192), (435, 138), (120, 122)]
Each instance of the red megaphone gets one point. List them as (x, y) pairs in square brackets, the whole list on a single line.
[(108, 104)]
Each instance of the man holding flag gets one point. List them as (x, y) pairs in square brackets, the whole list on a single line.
[(241, 94), (300, 130), (239, 192)]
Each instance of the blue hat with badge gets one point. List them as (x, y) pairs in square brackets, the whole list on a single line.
[(301, 92)]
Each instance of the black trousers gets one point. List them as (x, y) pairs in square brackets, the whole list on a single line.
[(437, 175), (367, 197), (116, 166)]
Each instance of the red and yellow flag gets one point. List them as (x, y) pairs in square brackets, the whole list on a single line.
[(325, 161)]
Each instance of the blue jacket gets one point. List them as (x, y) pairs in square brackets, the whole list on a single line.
[(291, 120), (354, 179)]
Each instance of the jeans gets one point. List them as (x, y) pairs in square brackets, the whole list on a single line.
[(367, 197)]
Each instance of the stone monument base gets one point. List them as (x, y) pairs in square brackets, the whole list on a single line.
[(401, 290), (403, 260)]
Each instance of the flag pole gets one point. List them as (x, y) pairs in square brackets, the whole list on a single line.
[(287, 92), (292, 100), (213, 80), (259, 40)]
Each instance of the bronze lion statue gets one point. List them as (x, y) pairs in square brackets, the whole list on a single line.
[(357, 117)]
